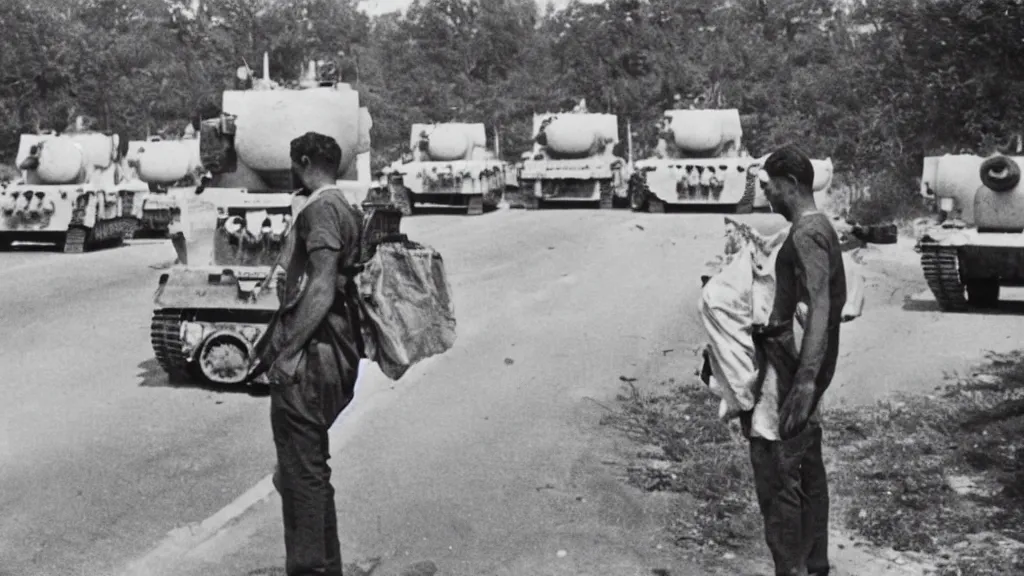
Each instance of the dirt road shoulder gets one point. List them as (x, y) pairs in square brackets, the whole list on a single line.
[(924, 439)]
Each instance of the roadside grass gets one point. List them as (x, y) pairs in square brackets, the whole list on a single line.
[(941, 475), (688, 450)]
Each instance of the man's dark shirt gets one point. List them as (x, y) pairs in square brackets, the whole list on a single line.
[(328, 222), (810, 264)]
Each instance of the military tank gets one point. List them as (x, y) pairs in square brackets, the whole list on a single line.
[(699, 161), (231, 231), (71, 192), (450, 165), (573, 161), (169, 170), (975, 246)]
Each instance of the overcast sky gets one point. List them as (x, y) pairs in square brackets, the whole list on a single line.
[(374, 7)]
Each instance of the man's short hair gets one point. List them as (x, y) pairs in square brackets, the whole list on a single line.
[(321, 150), (790, 161)]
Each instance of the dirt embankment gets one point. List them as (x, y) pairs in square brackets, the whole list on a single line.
[(925, 441)]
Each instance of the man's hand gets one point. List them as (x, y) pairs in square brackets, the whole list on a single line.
[(796, 409), (256, 369)]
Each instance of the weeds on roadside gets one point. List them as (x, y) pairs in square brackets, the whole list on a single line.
[(692, 452), (938, 474), (941, 475)]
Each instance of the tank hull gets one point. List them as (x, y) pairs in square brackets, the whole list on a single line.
[(476, 184), (76, 218), (204, 324), (965, 268), (599, 179), (668, 181)]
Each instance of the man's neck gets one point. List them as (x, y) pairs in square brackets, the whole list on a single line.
[(320, 183), (803, 209)]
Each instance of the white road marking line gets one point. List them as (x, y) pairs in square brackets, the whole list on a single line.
[(180, 541)]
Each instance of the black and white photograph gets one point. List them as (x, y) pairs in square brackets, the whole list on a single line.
[(511, 288)]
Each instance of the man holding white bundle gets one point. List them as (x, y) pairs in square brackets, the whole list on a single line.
[(789, 473)]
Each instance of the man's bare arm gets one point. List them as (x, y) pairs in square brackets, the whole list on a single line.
[(314, 303), (813, 255)]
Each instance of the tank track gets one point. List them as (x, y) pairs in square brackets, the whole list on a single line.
[(941, 266), (746, 203), (607, 200), (475, 205), (165, 335), (77, 240), (80, 239)]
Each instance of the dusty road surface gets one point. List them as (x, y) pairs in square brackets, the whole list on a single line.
[(487, 460)]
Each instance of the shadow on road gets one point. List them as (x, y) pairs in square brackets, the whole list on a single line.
[(153, 376), (1004, 308), (438, 209)]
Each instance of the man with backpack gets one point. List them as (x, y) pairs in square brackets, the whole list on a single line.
[(311, 354)]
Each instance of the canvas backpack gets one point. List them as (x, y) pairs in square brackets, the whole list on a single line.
[(405, 308)]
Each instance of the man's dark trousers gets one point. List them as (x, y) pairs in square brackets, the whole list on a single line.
[(301, 413), (790, 479), (792, 491)]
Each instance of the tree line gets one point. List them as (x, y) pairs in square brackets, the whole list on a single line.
[(873, 84)]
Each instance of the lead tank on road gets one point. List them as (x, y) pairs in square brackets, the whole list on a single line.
[(573, 160), (71, 192), (205, 324), (698, 162), (169, 172), (450, 165), (977, 243)]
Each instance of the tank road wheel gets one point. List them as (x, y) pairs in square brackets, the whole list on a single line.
[(655, 205), (983, 293), (223, 360), (941, 266), (475, 205), (607, 201), (165, 335), (637, 193), (526, 198)]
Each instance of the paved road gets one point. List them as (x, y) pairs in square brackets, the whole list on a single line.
[(101, 458), (487, 460)]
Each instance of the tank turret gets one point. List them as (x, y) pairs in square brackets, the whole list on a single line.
[(446, 142), (577, 135), (701, 133), (158, 161)]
